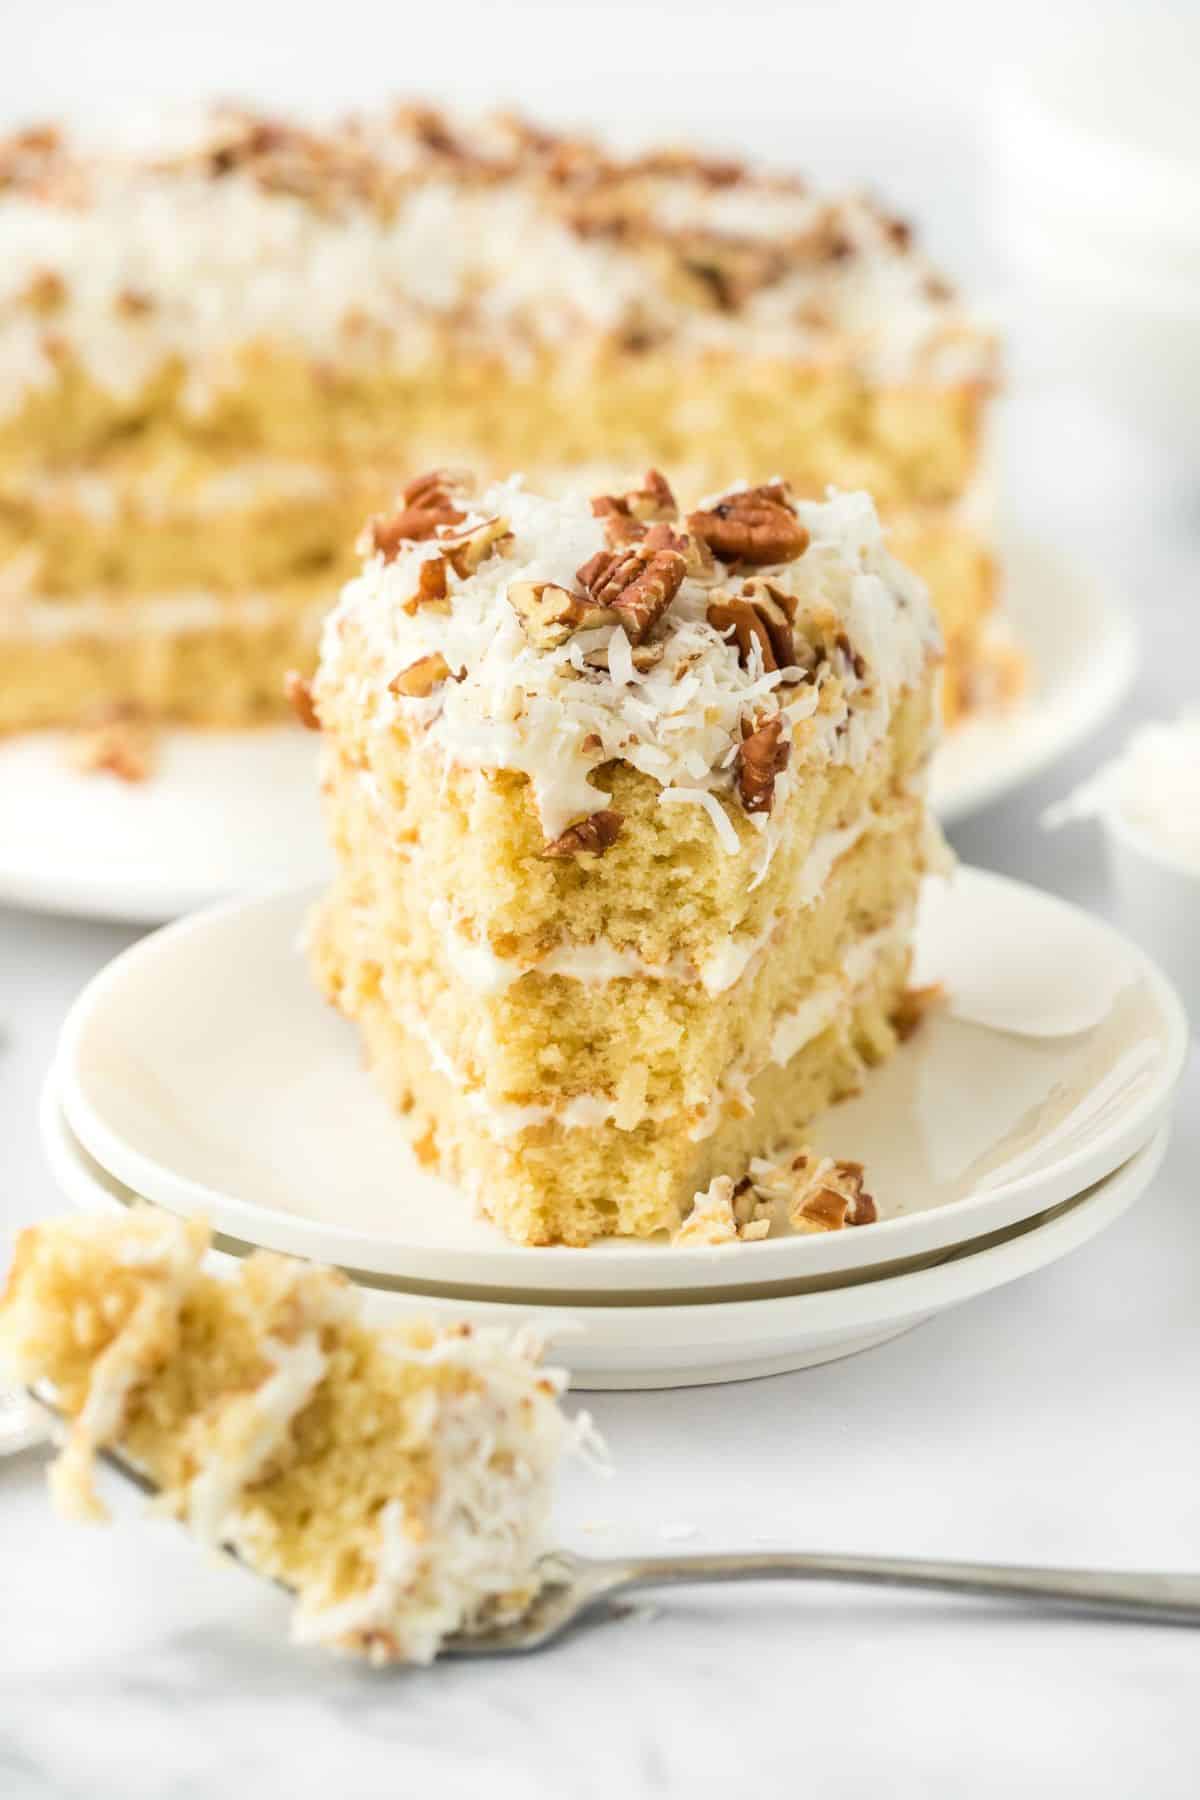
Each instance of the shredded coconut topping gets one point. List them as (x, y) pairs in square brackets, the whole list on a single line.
[(353, 244), (558, 711)]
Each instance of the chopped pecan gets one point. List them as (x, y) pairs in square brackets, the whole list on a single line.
[(829, 1196), (426, 504), (592, 836), (638, 583), (467, 553), (756, 618), (300, 698), (762, 757), (751, 1211), (432, 588), (653, 500), (116, 739), (418, 681), (644, 657), (132, 303), (46, 292), (842, 642), (755, 525), (550, 614), (915, 1003)]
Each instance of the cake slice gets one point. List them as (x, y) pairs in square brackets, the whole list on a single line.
[(629, 818), (398, 1481)]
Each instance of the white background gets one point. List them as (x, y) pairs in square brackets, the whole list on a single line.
[(1052, 1421)]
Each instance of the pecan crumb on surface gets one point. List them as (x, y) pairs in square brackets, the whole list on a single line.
[(762, 756), (915, 1004), (828, 1195), (116, 740), (755, 525), (592, 836), (300, 698), (725, 1212), (418, 681)]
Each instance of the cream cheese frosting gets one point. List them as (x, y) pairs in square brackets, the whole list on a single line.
[(794, 1027), (555, 716)]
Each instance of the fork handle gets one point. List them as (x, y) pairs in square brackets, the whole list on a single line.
[(1165, 1598)]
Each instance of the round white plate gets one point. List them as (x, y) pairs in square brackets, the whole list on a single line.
[(225, 812), (203, 1070), (236, 812), (1082, 651), (696, 1344)]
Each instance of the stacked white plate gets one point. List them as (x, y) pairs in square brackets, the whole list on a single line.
[(202, 1072)]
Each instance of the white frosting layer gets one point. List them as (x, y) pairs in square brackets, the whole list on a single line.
[(829, 997), (596, 963), (552, 716), (229, 260), (144, 615)]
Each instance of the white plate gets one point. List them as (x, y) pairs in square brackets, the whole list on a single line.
[(693, 1345), (226, 812), (202, 1069), (236, 812), (1082, 650)]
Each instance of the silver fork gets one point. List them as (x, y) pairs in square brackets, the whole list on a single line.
[(577, 1589)]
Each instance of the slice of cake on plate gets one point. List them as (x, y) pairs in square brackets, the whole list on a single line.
[(221, 348), (628, 809), (398, 1481)]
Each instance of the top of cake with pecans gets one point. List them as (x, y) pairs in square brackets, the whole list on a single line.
[(200, 238), (718, 652)]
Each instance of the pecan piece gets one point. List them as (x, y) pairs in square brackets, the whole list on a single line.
[(756, 619), (466, 554), (46, 293), (829, 1195), (763, 755), (638, 583), (550, 614), (653, 500), (432, 589), (425, 504), (755, 525), (915, 1003), (300, 698), (116, 739), (644, 657), (418, 681), (592, 836)]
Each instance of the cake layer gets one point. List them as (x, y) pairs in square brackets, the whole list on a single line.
[(251, 272), (141, 524), (550, 1183), (198, 658), (625, 1048), (718, 411), (398, 1482)]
